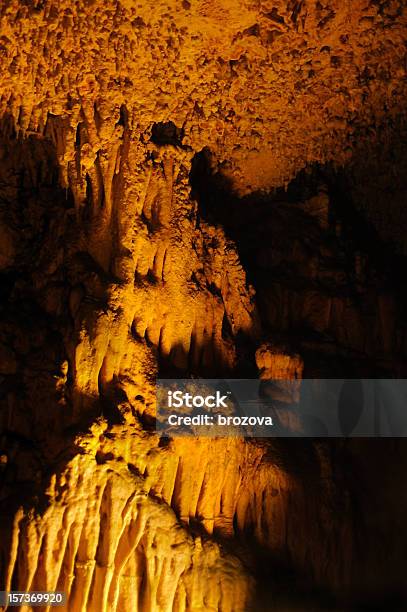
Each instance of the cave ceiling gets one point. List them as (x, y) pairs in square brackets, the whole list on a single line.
[(267, 86)]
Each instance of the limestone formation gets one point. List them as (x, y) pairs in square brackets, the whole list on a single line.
[(147, 228)]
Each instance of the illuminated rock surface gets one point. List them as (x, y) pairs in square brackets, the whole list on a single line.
[(131, 133)]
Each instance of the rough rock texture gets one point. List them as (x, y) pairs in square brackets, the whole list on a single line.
[(322, 77), (114, 269)]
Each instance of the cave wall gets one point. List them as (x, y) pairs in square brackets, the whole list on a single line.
[(111, 275)]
